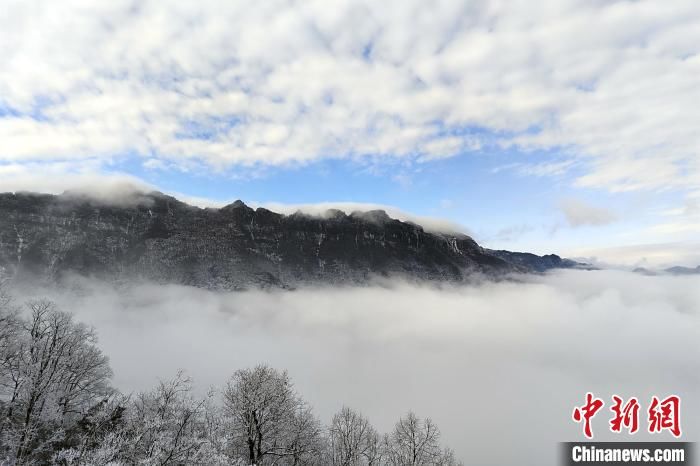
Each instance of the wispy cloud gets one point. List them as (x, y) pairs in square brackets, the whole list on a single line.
[(653, 255), (579, 213), (83, 176), (321, 209)]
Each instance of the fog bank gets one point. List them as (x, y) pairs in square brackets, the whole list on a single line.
[(498, 366)]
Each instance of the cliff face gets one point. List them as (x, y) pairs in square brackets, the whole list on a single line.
[(157, 237)]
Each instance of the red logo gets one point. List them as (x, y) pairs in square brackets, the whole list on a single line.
[(625, 416), (665, 414), (586, 412), (662, 414)]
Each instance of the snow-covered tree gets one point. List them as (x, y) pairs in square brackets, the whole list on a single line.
[(166, 426), (262, 407), (100, 437), (10, 377), (415, 442), (352, 441), (305, 442), (52, 375)]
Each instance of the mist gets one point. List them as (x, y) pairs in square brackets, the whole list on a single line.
[(498, 366)]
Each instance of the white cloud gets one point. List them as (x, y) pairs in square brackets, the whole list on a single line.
[(499, 366), (431, 224), (82, 177), (281, 82), (579, 213), (537, 169)]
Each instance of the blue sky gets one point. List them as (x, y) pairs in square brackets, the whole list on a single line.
[(482, 191), (511, 120)]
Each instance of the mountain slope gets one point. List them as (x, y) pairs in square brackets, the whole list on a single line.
[(680, 270), (156, 237)]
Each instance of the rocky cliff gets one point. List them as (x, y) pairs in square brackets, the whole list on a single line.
[(156, 237)]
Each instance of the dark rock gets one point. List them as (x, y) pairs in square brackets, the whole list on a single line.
[(162, 239)]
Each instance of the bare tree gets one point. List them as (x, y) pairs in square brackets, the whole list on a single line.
[(415, 442), (261, 404), (352, 440), (305, 442), (216, 429), (85, 377)]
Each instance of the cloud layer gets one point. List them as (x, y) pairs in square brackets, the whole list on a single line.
[(614, 84), (498, 366)]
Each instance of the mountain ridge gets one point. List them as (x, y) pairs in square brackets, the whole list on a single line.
[(153, 236), (675, 270)]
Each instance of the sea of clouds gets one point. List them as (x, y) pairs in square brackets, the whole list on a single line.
[(499, 366)]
